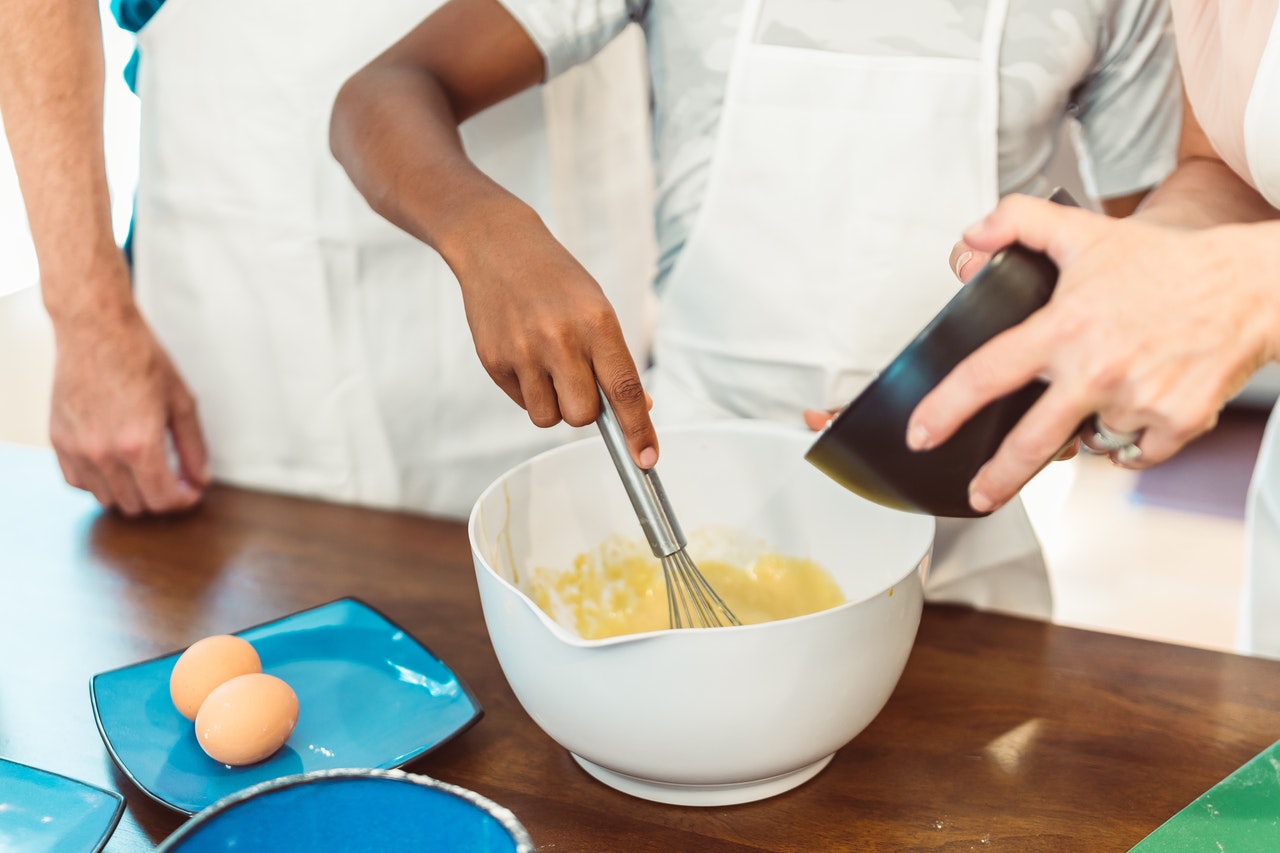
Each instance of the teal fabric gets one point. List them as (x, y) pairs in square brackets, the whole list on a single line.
[(133, 15)]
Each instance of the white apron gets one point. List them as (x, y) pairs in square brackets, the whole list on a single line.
[(328, 350), (838, 186), (1259, 626)]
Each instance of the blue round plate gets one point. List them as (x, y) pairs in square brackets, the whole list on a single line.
[(352, 811), (369, 695), (43, 812)]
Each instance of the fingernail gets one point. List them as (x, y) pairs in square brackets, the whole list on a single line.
[(918, 438), (961, 261), (648, 458), (979, 500)]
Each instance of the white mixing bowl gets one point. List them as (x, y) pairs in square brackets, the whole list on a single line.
[(703, 717)]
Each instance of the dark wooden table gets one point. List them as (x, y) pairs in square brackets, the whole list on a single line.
[(1003, 734)]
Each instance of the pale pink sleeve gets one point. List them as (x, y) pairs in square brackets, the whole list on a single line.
[(1220, 45)]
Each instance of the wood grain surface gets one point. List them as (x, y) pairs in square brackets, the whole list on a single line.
[(1003, 734)]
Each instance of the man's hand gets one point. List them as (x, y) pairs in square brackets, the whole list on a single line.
[(116, 395), (117, 398)]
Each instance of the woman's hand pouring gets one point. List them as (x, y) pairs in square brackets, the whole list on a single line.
[(1151, 328)]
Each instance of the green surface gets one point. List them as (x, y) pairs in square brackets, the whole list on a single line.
[(1240, 814)]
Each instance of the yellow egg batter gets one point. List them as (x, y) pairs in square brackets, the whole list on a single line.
[(620, 590)]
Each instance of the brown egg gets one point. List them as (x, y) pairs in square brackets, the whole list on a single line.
[(207, 664), (247, 719)]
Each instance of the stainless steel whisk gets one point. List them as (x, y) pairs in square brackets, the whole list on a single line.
[(691, 602)]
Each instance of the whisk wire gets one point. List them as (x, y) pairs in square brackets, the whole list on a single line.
[(674, 618), (691, 602)]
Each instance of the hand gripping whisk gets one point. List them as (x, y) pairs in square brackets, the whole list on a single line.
[(691, 602)]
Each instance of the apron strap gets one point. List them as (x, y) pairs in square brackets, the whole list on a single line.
[(989, 58)]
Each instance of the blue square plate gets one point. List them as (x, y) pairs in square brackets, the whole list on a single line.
[(42, 812), (369, 695)]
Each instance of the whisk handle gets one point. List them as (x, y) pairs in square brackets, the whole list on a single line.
[(648, 498)]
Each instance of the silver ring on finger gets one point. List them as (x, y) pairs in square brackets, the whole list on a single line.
[(1127, 455), (1108, 440)]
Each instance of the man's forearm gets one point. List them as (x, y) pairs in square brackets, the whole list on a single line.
[(51, 98)]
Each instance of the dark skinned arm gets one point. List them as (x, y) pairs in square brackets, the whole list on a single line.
[(542, 326)]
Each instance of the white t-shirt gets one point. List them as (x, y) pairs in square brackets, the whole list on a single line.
[(1110, 65)]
